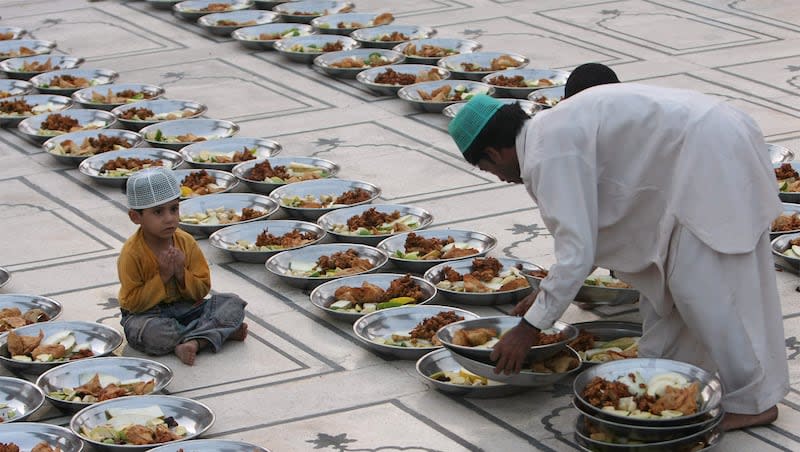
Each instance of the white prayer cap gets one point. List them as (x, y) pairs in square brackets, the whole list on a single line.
[(152, 187)]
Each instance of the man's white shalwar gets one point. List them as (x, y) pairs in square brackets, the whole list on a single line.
[(673, 190)]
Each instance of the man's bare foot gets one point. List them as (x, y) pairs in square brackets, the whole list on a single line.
[(240, 334), (736, 421), (187, 351)]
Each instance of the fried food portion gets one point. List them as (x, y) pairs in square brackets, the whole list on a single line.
[(249, 213), (139, 113), (198, 182), (9, 447), (601, 392), (35, 66), (131, 163), (428, 327), (353, 196), (265, 170), (139, 435), (333, 46), (516, 81), (60, 122), (349, 63), (17, 107), (23, 345), (6, 36), (11, 318), (371, 219), (786, 171), (67, 81), (485, 268), (94, 145), (504, 62), (217, 7), (584, 341), (786, 223), (57, 351), (344, 260), (417, 243), (392, 77), (120, 97), (675, 399), (394, 36), (382, 19), (367, 293), (514, 284), (43, 447), (291, 239), (405, 287), (560, 363), (428, 51), (473, 337)]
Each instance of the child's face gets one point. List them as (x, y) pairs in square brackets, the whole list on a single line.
[(159, 221)]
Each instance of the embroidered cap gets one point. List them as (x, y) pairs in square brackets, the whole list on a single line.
[(152, 187), (471, 119)]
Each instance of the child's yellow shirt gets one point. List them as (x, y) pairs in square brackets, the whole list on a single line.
[(142, 287)]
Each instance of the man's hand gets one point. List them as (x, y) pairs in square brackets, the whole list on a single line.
[(513, 346), (522, 307), (166, 266)]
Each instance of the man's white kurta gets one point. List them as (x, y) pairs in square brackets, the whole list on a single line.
[(619, 170)]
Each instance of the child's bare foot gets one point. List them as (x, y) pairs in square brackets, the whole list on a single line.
[(736, 421), (187, 351), (240, 334)]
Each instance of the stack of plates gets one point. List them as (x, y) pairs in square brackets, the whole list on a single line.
[(605, 430)]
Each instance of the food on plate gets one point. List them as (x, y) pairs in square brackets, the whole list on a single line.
[(36, 66), (518, 81), (664, 396), (462, 377), (600, 281), (267, 241), (58, 347), (488, 337), (199, 183), (58, 124), (794, 249), (392, 77), (372, 222), (419, 248), (286, 174), (145, 114), (91, 145), (22, 51), (549, 101), (211, 8), (380, 19), (6, 36), (231, 157), (20, 107), (4, 94), (66, 81), (449, 93), (314, 48), (323, 12), (136, 426), (189, 137), (370, 298), (40, 447), (340, 263), (103, 387), (221, 215), (290, 33), (788, 179), (593, 350), (428, 51), (124, 167), (372, 60), (11, 318), (121, 97), (485, 276), (423, 335), (354, 196), (233, 23), (785, 222), (394, 36), (497, 64), (7, 413)]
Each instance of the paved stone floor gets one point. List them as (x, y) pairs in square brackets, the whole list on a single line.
[(302, 381)]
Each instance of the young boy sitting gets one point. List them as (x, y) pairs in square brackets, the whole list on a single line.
[(165, 279)]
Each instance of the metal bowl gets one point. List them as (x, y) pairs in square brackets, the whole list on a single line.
[(87, 120), (37, 46), (222, 178), (16, 32), (9, 88), (596, 295), (25, 302), (608, 330), (367, 77), (547, 97), (380, 324), (329, 24), (77, 373), (411, 94), (196, 417), (235, 201), (195, 9), (163, 4), (95, 77), (442, 360), (459, 46), (84, 96), (92, 166), (326, 61), (242, 170), (777, 154), (284, 46), (310, 9), (646, 434), (133, 139), (317, 188), (781, 244), (340, 216), (5, 277), (20, 397), (502, 324), (210, 445), (525, 378), (102, 339), (710, 388), (374, 36), (164, 107), (263, 148), (527, 106), (210, 129), (249, 36), (478, 240), (788, 209), (281, 264), (709, 435), (324, 295), (483, 59), (788, 196), (27, 435), (12, 67), (227, 237), (557, 77), (243, 18), (40, 102), (436, 274)]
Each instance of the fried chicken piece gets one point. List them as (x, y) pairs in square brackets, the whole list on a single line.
[(198, 180), (514, 284), (352, 196), (456, 252), (131, 163), (9, 323), (405, 287), (10, 312), (382, 19), (427, 328), (429, 76), (516, 81), (392, 77), (474, 285), (584, 341), (333, 46), (786, 171), (67, 81), (57, 351), (112, 391), (504, 62), (349, 63), (35, 66), (371, 219), (676, 399), (394, 36), (786, 223), (601, 392), (80, 354), (138, 435), (451, 275), (485, 268), (217, 7), (44, 447), (473, 337), (59, 122), (249, 213), (367, 293), (546, 339), (264, 170), (91, 387), (23, 345), (164, 434), (289, 240), (18, 106), (348, 259), (440, 94), (424, 246), (9, 447)]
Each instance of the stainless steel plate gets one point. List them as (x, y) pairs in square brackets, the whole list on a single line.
[(482, 59), (19, 399), (227, 237), (235, 201), (436, 275), (327, 61), (263, 148), (478, 240), (12, 67), (381, 324), (95, 77), (458, 46), (133, 139), (224, 179), (547, 97), (411, 93), (210, 129), (281, 264), (557, 77), (340, 217), (781, 244), (242, 170), (27, 435), (37, 46), (304, 49), (92, 166), (442, 361), (527, 106), (238, 19), (84, 96), (50, 102), (250, 36), (525, 378), (87, 120), (367, 77), (317, 188), (189, 109)]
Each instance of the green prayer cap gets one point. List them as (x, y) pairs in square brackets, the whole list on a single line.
[(471, 119)]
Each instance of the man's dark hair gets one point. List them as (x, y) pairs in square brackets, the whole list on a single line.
[(500, 132), (588, 75)]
